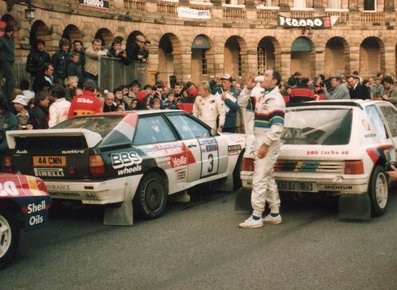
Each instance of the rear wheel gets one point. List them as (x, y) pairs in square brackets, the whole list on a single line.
[(9, 237), (378, 191), (151, 197)]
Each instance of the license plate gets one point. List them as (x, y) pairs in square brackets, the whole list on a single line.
[(57, 161), (297, 186)]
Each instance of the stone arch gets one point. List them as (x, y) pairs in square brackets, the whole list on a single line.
[(203, 58), (336, 57), (372, 57), (303, 56), (268, 54), (72, 32), (170, 57), (105, 35), (235, 56), (40, 30)]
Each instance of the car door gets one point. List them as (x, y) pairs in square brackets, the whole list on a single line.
[(202, 145), (390, 115)]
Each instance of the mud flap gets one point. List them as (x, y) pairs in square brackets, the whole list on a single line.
[(243, 200), (119, 215), (355, 206)]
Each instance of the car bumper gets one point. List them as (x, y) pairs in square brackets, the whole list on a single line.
[(94, 192), (340, 184)]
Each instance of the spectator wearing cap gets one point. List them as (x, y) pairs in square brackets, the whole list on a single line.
[(60, 61), (86, 104), (7, 58), (231, 107), (37, 58), (23, 116), (59, 108), (8, 121), (143, 98), (134, 49), (93, 54), (337, 90)]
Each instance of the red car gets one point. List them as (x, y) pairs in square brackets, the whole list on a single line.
[(24, 203)]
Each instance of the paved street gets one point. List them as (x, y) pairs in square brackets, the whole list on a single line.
[(199, 246)]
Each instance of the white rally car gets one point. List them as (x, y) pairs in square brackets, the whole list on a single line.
[(343, 148), (113, 158)]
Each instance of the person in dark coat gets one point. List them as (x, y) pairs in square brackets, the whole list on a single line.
[(60, 61), (356, 89), (7, 58), (44, 79), (37, 58), (39, 113)]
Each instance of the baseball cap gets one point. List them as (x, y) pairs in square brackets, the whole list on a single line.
[(20, 99), (227, 77), (140, 38), (141, 95)]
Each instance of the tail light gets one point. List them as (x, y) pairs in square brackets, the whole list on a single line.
[(354, 167), (96, 164), (248, 164), (7, 164)]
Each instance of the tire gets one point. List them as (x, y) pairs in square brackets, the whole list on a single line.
[(378, 191), (9, 237), (151, 197)]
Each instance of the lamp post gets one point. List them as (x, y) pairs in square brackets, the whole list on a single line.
[(29, 11)]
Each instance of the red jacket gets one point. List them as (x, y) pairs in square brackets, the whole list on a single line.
[(85, 104)]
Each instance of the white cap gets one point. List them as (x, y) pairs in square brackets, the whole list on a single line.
[(20, 99)]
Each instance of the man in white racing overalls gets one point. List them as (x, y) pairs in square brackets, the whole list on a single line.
[(268, 127)]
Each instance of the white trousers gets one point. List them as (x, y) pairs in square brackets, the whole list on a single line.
[(264, 187)]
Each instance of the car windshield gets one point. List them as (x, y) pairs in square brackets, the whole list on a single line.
[(318, 126), (99, 124)]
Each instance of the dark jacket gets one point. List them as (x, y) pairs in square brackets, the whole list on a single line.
[(360, 92), (123, 59), (75, 69), (39, 117), (10, 122), (7, 53), (60, 61), (40, 82), (35, 62)]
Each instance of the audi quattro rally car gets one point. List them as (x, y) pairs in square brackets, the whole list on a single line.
[(24, 203), (342, 148), (113, 158)]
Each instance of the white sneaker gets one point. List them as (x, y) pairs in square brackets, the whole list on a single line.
[(250, 223), (276, 220)]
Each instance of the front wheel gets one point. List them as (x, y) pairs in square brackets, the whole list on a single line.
[(9, 237), (151, 197), (378, 191)]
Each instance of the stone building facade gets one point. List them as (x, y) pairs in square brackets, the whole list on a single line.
[(195, 40)]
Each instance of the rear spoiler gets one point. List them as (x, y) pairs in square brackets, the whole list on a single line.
[(92, 138)]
